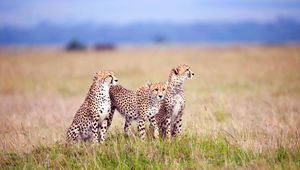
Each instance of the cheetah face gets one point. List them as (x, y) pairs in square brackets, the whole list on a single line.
[(181, 73), (107, 77), (158, 90)]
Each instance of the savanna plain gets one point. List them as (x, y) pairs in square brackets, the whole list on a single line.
[(242, 108)]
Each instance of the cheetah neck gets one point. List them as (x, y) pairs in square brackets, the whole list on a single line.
[(100, 89), (152, 100), (175, 88)]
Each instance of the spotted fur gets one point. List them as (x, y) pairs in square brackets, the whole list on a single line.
[(169, 117), (93, 113), (138, 105)]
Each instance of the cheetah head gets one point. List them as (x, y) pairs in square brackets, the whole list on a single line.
[(181, 73), (107, 77), (158, 90)]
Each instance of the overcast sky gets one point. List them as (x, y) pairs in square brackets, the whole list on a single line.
[(28, 13)]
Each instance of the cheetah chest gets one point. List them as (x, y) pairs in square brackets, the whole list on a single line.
[(152, 111), (177, 102), (103, 103), (105, 109)]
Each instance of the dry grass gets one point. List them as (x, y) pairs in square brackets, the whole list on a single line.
[(249, 95)]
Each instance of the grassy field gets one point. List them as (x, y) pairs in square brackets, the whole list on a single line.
[(242, 111)]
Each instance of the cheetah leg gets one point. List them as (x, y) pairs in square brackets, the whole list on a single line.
[(176, 131), (177, 127), (73, 134), (141, 128), (153, 126), (127, 127), (167, 128), (167, 124), (161, 128), (103, 129), (95, 124), (110, 117)]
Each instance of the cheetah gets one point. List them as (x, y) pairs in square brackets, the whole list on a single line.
[(138, 105), (169, 117), (93, 113)]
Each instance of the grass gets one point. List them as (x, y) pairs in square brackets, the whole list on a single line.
[(242, 108), (120, 152)]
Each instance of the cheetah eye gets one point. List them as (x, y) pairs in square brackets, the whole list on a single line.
[(164, 89), (187, 69), (156, 89)]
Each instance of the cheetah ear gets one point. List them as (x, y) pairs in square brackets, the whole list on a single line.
[(175, 70), (149, 84), (95, 76)]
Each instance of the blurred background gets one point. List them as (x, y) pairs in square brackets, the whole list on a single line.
[(103, 24)]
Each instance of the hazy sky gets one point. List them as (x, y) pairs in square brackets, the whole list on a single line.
[(31, 12)]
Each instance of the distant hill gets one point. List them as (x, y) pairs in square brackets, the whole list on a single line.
[(283, 30)]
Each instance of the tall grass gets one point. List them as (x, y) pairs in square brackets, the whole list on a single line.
[(119, 152)]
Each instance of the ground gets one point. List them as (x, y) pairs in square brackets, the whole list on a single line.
[(242, 110)]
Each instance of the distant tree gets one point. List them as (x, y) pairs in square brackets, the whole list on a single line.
[(159, 39), (74, 44)]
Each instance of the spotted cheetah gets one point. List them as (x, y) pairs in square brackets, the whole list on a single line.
[(169, 117), (93, 113), (138, 105)]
